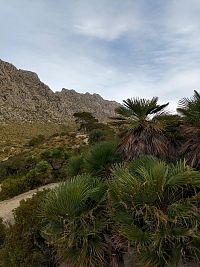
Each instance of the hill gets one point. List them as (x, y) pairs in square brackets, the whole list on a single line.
[(23, 97)]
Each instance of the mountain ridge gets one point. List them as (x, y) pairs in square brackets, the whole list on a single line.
[(24, 97)]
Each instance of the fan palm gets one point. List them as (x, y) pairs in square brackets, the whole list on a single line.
[(100, 159), (141, 130), (77, 223), (156, 208), (189, 108)]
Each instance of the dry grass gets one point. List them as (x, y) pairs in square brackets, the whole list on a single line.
[(15, 136)]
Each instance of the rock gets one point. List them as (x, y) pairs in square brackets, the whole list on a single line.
[(81, 136), (86, 141), (5, 159), (23, 97)]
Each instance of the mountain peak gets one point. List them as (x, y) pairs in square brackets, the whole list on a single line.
[(23, 97)]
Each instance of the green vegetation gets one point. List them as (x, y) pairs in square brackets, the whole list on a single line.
[(96, 130), (36, 140), (12, 142), (55, 157), (147, 211), (41, 165), (155, 208), (190, 110), (12, 187), (23, 244), (75, 166), (86, 121), (76, 222), (2, 233), (129, 193), (141, 130), (100, 159)]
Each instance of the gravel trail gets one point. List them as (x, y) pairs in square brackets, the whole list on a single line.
[(7, 206)]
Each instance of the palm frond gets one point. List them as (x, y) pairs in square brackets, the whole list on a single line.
[(75, 219), (155, 206), (158, 108), (185, 178), (141, 130), (141, 107), (189, 108), (123, 111), (135, 234), (101, 157)]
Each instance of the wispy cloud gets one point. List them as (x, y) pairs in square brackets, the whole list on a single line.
[(107, 21), (116, 48)]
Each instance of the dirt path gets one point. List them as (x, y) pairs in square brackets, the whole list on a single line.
[(7, 206)]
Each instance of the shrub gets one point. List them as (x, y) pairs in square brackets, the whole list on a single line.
[(74, 167), (30, 162), (96, 136), (42, 167), (56, 157), (35, 141), (12, 187), (86, 121), (23, 244), (40, 175), (45, 154), (2, 232), (101, 157), (16, 166), (19, 183), (3, 173), (13, 165), (102, 132)]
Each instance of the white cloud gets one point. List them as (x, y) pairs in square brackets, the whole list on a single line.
[(106, 28), (116, 48), (106, 20)]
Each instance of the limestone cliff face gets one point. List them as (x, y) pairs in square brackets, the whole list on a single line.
[(70, 102), (23, 97)]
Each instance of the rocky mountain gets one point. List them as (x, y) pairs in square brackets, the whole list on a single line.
[(23, 97)]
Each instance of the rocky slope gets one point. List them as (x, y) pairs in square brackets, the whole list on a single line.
[(23, 97)]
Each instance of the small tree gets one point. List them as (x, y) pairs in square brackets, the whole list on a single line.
[(86, 121), (55, 157)]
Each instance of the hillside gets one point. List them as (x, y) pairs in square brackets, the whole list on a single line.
[(23, 97), (14, 142)]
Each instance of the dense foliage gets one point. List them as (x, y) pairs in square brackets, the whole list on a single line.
[(148, 212), (76, 222), (130, 196), (189, 108), (101, 157), (23, 244), (156, 208), (141, 130)]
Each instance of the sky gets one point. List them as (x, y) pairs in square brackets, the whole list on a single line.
[(116, 48)]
